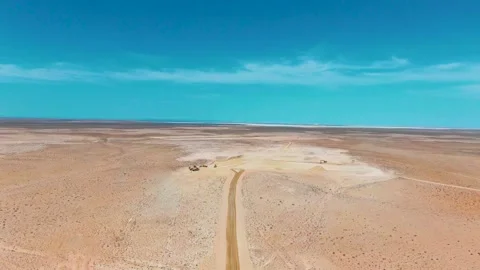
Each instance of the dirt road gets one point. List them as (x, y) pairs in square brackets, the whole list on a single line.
[(233, 261)]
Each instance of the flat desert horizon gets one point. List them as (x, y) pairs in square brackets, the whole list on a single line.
[(143, 196)]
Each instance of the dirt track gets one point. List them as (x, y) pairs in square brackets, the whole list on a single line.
[(233, 261)]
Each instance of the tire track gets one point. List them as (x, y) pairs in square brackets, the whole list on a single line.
[(439, 184)]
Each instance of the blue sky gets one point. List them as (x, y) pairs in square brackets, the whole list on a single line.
[(380, 63)]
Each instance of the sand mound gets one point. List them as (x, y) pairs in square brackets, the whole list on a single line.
[(317, 169)]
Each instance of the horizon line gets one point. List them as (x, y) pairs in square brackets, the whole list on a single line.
[(215, 123)]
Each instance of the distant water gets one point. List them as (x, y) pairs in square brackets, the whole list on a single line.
[(147, 123)]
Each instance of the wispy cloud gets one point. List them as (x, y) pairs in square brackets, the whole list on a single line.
[(299, 72), (55, 72), (449, 66), (393, 63)]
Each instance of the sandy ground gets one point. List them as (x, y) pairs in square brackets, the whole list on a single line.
[(123, 198)]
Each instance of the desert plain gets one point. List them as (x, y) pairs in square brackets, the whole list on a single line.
[(77, 195)]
